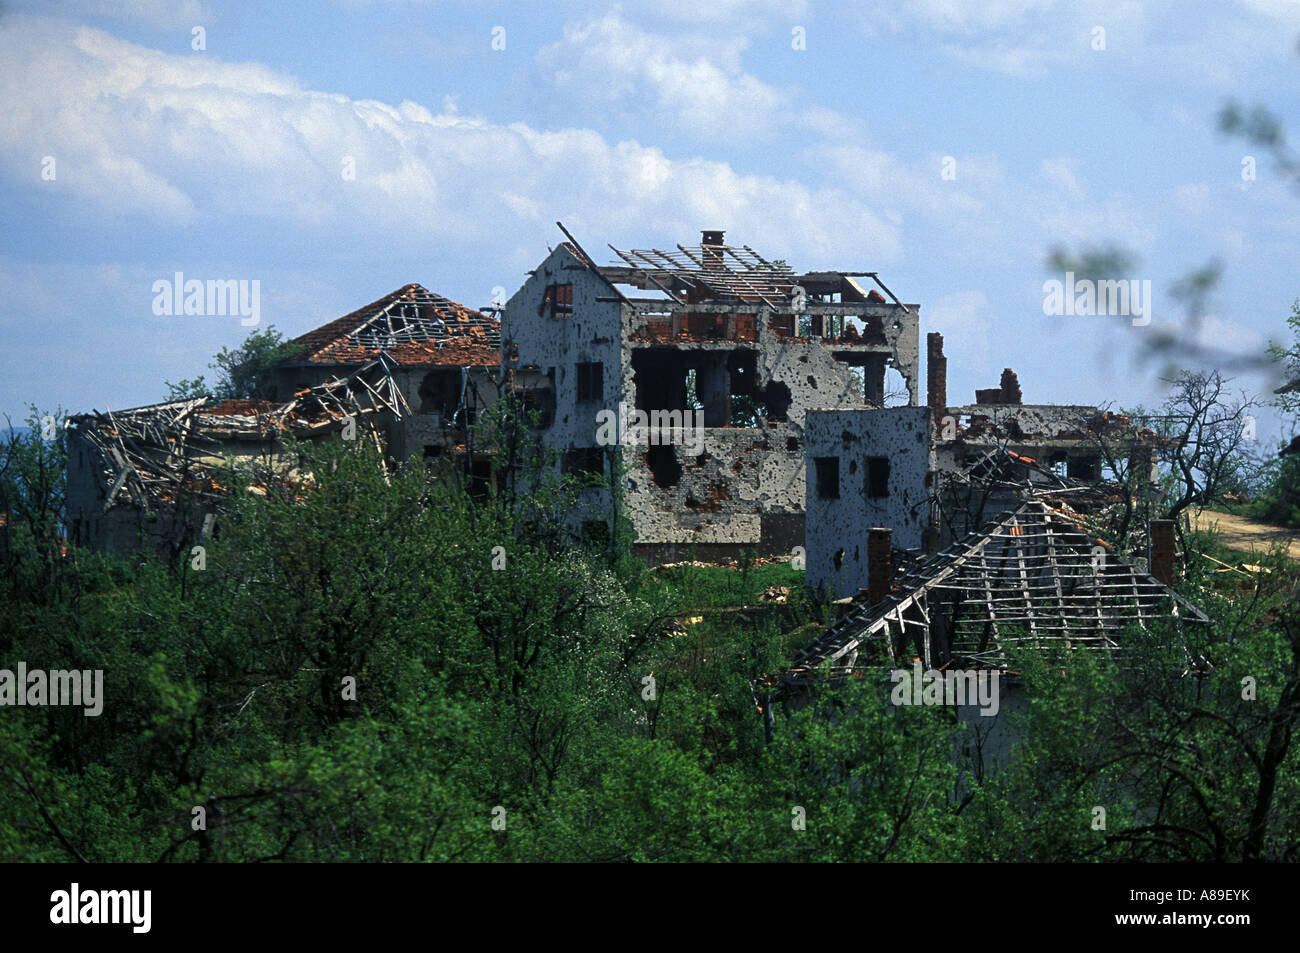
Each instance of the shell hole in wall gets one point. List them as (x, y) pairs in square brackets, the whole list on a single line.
[(663, 465)]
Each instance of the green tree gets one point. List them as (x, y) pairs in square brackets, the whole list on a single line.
[(246, 371)]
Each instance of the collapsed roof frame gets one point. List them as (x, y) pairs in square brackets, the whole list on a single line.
[(157, 452), (419, 316), (1035, 577), (705, 272)]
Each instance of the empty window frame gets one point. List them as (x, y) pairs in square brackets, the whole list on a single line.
[(877, 476), (591, 381), (584, 460), (828, 477)]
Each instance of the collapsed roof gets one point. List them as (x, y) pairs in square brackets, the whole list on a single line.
[(412, 326), (713, 271), (152, 454), (1033, 577)]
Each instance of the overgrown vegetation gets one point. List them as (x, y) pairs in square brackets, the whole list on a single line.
[(381, 665)]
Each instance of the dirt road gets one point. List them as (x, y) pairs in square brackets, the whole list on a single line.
[(1247, 535)]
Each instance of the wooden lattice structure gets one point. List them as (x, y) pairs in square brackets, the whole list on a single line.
[(151, 455), (1032, 577)]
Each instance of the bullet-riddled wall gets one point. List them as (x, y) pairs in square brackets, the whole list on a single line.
[(740, 485), (865, 468)]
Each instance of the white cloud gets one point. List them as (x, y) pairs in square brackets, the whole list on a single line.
[(1020, 60), (740, 14), (1284, 11), (1062, 172), (691, 82), (178, 137), (960, 16)]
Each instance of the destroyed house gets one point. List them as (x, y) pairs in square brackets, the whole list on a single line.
[(409, 372), (707, 359), (933, 474), (445, 361), (954, 535), (1033, 579), (150, 477), (1062, 437)]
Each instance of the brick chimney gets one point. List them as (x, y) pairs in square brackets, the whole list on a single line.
[(1162, 551), (936, 376), (880, 564), (1010, 387), (711, 245)]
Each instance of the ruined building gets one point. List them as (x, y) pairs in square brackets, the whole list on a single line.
[(954, 535), (722, 401), (1033, 580), (713, 329), (410, 372), (933, 474), (444, 359)]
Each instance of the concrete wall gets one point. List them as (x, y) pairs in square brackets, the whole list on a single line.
[(746, 487), (555, 346), (734, 491), (836, 529)]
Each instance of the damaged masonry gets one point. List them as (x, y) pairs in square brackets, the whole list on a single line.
[(742, 344), (958, 533), (724, 404)]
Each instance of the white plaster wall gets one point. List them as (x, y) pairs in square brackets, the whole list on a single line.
[(902, 434)]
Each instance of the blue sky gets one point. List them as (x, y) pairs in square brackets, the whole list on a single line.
[(637, 124)]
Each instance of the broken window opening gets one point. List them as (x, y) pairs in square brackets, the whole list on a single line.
[(778, 398), (749, 407), (482, 481), (692, 394), (594, 533), (538, 406), (828, 477), (704, 383), (660, 379), (440, 392), (1084, 468), (591, 381), (895, 388), (584, 461), (664, 468), (558, 301), (877, 477)]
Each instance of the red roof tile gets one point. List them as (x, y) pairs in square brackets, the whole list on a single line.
[(413, 326)]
